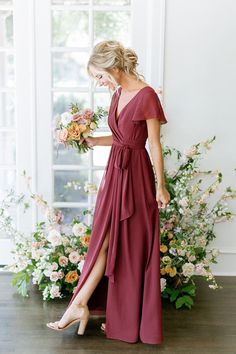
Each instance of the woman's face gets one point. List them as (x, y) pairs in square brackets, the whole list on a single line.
[(102, 77)]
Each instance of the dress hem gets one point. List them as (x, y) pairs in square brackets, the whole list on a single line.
[(115, 337)]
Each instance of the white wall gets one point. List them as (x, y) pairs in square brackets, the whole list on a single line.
[(199, 94)]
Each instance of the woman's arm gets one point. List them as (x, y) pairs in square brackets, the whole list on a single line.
[(99, 140), (104, 140), (153, 126)]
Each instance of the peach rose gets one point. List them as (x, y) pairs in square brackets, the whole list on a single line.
[(163, 271), (71, 277), (172, 272), (85, 240), (168, 268), (74, 131), (163, 248), (82, 127)]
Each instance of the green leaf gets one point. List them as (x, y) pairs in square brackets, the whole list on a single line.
[(21, 279), (189, 288), (179, 303), (174, 295), (188, 300)]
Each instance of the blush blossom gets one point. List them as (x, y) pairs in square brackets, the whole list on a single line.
[(74, 257)]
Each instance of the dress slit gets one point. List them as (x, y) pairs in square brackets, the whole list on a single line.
[(97, 301)]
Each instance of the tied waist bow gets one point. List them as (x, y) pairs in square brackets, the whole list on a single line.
[(123, 199)]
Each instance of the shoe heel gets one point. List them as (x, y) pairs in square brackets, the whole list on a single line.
[(82, 326)]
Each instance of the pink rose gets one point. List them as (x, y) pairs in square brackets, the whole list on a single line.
[(54, 276), (88, 113), (63, 261), (77, 116), (168, 226)]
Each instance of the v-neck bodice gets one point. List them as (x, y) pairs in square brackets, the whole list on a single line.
[(117, 117)]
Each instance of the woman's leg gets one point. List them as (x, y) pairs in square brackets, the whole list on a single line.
[(89, 286), (95, 275)]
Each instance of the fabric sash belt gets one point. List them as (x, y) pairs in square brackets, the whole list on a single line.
[(123, 199)]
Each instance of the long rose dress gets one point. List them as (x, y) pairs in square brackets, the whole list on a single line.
[(129, 292)]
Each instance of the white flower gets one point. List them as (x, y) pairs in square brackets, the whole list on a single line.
[(90, 187), (74, 257), (80, 265), (54, 276), (49, 269), (200, 241), (55, 292), (47, 272), (163, 284), (36, 275), (92, 125), (45, 292), (54, 266), (215, 252), (173, 251), (177, 229), (183, 202), (55, 238), (86, 134), (200, 270), (190, 152), (213, 286), (191, 258), (188, 269), (36, 254), (79, 229), (66, 118)]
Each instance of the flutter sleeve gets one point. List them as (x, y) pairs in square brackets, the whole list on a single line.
[(150, 107)]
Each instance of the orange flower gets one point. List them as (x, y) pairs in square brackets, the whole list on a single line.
[(74, 131), (163, 271), (168, 268), (172, 242), (82, 127), (170, 235), (172, 272), (163, 248), (85, 240), (71, 277)]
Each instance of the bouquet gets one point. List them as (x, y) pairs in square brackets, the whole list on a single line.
[(74, 126)]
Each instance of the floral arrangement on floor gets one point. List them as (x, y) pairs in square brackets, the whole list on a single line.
[(53, 257), (72, 127), (187, 225)]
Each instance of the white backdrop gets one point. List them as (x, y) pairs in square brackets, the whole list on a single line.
[(199, 94)]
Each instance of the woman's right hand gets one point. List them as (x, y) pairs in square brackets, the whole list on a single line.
[(91, 141)]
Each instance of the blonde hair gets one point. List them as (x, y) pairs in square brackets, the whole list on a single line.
[(110, 54)]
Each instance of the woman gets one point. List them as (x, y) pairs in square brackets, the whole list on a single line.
[(121, 273)]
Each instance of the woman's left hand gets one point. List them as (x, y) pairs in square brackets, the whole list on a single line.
[(162, 197)]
